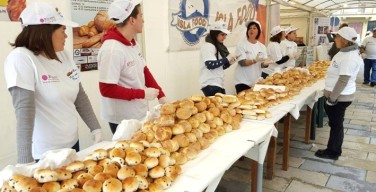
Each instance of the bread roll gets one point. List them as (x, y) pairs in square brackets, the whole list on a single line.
[(35, 189), (138, 136), (112, 185), (165, 182), (182, 140), (151, 162), (163, 133), (118, 161), (183, 113), (194, 122), (69, 184), (177, 129), (201, 106), (142, 182), (92, 185), (116, 152), (152, 152), (102, 21), (45, 175), (76, 174), (198, 133), (133, 158), (102, 177), (63, 174), (186, 125), (204, 142), (173, 171), (105, 161), (164, 160), (122, 144), (215, 111), (99, 154), (137, 145), (170, 145), (156, 172), (154, 187), (96, 169), (191, 137), (26, 184), (166, 120), (125, 172), (197, 98), (200, 117), (205, 128), (81, 179), (180, 158), (167, 109), (130, 184), (141, 169), (186, 103)]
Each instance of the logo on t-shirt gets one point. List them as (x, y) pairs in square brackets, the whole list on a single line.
[(335, 64), (73, 74), (50, 79)]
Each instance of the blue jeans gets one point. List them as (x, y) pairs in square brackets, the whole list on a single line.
[(370, 68)]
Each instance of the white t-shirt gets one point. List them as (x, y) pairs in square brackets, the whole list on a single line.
[(370, 44), (249, 74), (275, 53), (344, 63), (214, 77), (122, 65), (289, 47), (55, 86)]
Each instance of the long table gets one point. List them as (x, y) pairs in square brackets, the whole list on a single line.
[(207, 169)]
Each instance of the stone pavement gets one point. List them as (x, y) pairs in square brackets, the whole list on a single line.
[(354, 171)]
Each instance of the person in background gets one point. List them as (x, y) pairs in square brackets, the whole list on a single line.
[(44, 83), (331, 36), (275, 51), (125, 82), (340, 89), (252, 55), (214, 59), (369, 48), (290, 47)]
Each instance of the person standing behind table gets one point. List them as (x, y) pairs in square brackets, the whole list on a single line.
[(340, 89), (369, 48), (275, 51), (45, 86), (290, 47), (252, 56), (125, 82), (215, 58), (331, 36)]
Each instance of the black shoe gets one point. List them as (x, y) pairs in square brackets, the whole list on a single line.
[(365, 83), (373, 84), (325, 154)]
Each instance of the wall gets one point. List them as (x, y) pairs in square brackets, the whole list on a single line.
[(176, 72)]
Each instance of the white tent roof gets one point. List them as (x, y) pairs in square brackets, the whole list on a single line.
[(330, 7)]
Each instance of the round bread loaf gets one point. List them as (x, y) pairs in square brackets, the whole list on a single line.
[(51, 186), (197, 98), (167, 109), (45, 175), (142, 182), (117, 152), (63, 174), (201, 106), (112, 185), (151, 162), (69, 184), (164, 160), (182, 140), (111, 169), (154, 187), (81, 179), (177, 129), (141, 169), (191, 137), (118, 161), (130, 184), (198, 133), (99, 154), (166, 120), (133, 158), (180, 158), (205, 128), (170, 145), (122, 144), (163, 133), (102, 177), (183, 113), (164, 181), (96, 169), (35, 189), (152, 152), (156, 172), (125, 172), (92, 185), (194, 122), (26, 184)]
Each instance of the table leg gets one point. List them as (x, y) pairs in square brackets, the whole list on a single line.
[(286, 141), (254, 172), (308, 125), (320, 112), (270, 157), (314, 116)]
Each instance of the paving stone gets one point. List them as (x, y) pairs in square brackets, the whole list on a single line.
[(268, 190), (226, 185), (359, 122), (306, 176), (298, 186), (359, 146), (344, 184), (359, 133), (373, 141), (300, 145), (354, 154), (372, 157), (356, 163), (330, 168), (276, 184), (293, 161), (357, 127), (371, 177)]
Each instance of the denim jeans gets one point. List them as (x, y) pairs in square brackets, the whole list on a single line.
[(370, 68), (212, 90), (336, 115)]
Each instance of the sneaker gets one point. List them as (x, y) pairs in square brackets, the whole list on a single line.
[(365, 83), (373, 84), (325, 154)]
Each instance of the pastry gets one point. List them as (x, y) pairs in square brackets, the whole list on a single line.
[(45, 175), (112, 185), (92, 185), (125, 172), (156, 172), (130, 184)]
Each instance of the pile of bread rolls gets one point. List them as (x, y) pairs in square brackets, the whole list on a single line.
[(152, 159), (318, 69)]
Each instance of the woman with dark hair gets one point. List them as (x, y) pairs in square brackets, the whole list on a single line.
[(44, 83), (289, 46), (275, 51), (340, 88), (215, 58), (252, 54)]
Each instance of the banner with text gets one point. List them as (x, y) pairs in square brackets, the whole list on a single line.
[(189, 20)]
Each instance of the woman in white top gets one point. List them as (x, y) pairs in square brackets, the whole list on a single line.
[(340, 89), (290, 47), (215, 58), (251, 54), (275, 51), (44, 83)]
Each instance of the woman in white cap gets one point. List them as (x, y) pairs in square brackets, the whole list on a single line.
[(252, 54), (44, 83), (215, 58), (289, 46), (275, 51), (340, 89), (125, 82)]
